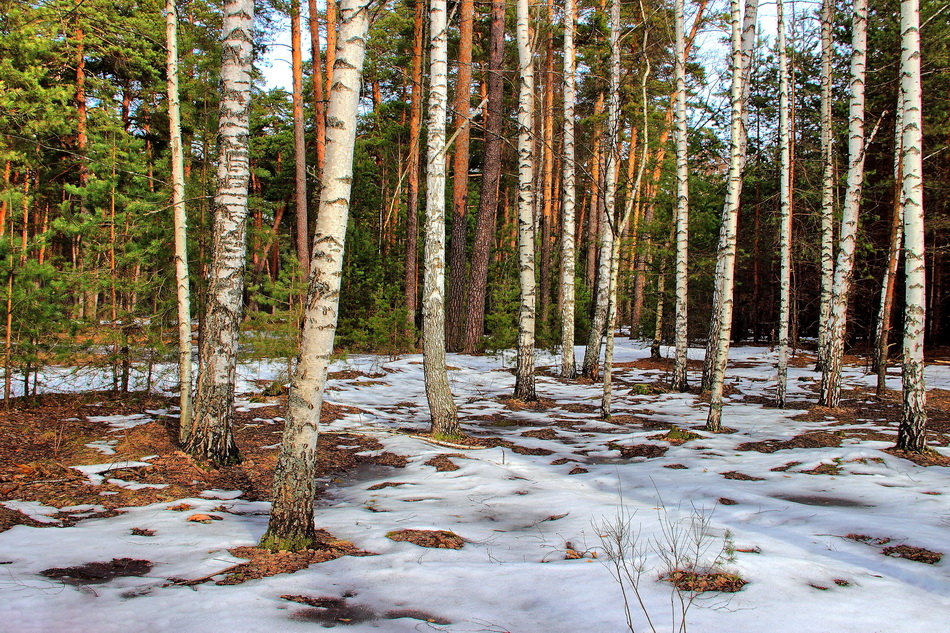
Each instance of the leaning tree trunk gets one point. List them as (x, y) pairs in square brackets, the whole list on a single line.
[(524, 377), (847, 240), (785, 212), (441, 405), (680, 362), (720, 327), (291, 524), (568, 229), (491, 180), (883, 331), (211, 438), (717, 351), (182, 289), (912, 433), (827, 180)]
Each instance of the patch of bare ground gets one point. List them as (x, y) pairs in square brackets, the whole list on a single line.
[(262, 563), (95, 573), (440, 539), (579, 407), (823, 469), (726, 501), (699, 582), (728, 390), (542, 434), (675, 436), (639, 421), (814, 439), (42, 440), (657, 364), (443, 464), (388, 484), (927, 458), (541, 404), (578, 470), (734, 474), (870, 540), (515, 448), (350, 374), (649, 451), (676, 466), (909, 552)]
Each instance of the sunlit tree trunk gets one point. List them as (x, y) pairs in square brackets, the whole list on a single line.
[(180, 221), (300, 147), (291, 524), (211, 439), (491, 179), (319, 116), (412, 187), (679, 381), (568, 230), (827, 179), (847, 239), (524, 377), (912, 433), (717, 350), (457, 291), (785, 211), (439, 394)]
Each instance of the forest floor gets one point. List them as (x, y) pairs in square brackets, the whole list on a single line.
[(795, 520)]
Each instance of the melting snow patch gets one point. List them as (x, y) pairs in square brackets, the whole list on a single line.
[(33, 509), (93, 471), (121, 422), (106, 447)]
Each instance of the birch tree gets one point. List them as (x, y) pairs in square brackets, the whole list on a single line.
[(568, 254), (717, 350), (827, 179), (441, 405), (291, 524), (785, 210), (912, 433), (524, 377), (680, 361), (211, 439), (844, 265), (183, 292)]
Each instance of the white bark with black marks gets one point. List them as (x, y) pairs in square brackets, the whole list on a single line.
[(568, 229), (211, 438), (680, 382), (291, 524), (827, 256), (785, 211)]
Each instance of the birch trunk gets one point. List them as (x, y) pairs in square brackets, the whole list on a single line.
[(882, 334), (831, 364), (524, 378), (680, 362), (720, 328), (180, 222), (717, 350), (211, 439), (912, 433), (568, 229), (491, 180), (827, 179), (291, 524), (785, 211), (441, 405), (300, 146)]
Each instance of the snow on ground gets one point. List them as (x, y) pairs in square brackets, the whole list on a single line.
[(512, 574)]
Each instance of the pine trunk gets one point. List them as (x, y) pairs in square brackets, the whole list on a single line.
[(457, 295), (300, 147), (415, 131), (291, 525), (320, 121), (491, 180)]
